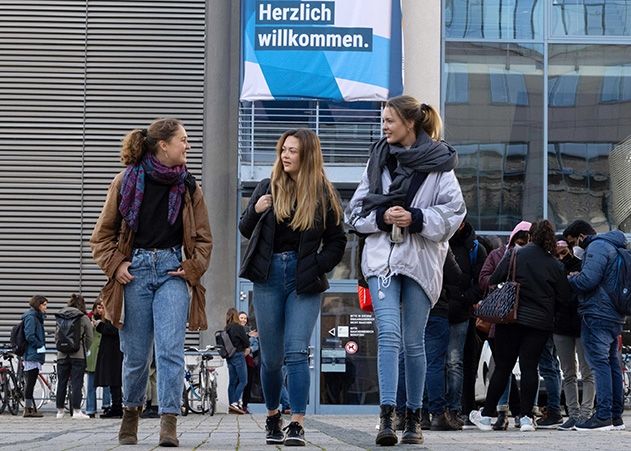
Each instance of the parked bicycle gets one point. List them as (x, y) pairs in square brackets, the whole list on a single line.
[(45, 390), (11, 383), (200, 388)]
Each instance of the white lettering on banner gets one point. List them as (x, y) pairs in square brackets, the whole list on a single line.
[(314, 39), (301, 13)]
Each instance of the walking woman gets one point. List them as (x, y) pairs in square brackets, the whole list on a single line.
[(294, 224), (409, 204), (35, 354), (237, 368), (543, 287), (154, 210)]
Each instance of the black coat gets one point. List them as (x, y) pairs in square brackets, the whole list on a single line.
[(451, 275), (463, 295), (543, 285), (238, 337), (109, 362), (567, 321), (320, 249)]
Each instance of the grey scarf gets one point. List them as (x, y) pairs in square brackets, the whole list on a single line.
[(425, 155)]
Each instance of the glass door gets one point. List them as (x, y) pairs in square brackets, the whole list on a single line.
[(342, 354)]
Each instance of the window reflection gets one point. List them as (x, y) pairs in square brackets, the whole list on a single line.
[(591, 18), (498, 133), (581, 139), (494, 19)]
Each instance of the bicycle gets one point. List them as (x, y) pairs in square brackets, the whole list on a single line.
[(11, 385), (46, 390), (200, 396)]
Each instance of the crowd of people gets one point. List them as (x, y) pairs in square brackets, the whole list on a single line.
[(423, 263)]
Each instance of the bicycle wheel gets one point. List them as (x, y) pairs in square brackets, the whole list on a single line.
[(40, 392), (194, 394), (3, 394), (213, 396), (12, 395), (206, 392)]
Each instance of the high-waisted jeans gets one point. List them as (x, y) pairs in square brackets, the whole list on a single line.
[(402, 312), (156, 306), (285, 321)]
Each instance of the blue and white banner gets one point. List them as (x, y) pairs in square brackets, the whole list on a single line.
[(340, 50)]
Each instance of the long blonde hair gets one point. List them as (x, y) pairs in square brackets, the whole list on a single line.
[(311, 193)]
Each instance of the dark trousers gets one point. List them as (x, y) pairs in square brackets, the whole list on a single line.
[(30, 377), (514, 341), (472, 350), (73, 370)]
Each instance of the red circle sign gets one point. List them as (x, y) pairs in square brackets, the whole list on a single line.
[(351, 347)]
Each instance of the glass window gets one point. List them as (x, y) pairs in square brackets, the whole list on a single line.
[(494, 19), (498, 133), (591, 18), (581, 140), (562, 90), (457, 83)]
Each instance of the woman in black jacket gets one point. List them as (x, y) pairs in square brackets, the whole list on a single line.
[(294, 224), (237, 368), (543, 284)]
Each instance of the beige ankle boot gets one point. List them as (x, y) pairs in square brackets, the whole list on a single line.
[(168, 430), (128, 433)]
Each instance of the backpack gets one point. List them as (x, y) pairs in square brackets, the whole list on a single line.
[(68, 335), (622, 294), (226, 348), (18, 339)]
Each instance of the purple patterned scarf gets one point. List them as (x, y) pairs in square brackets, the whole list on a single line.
[(133, 187)]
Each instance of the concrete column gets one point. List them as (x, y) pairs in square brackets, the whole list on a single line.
[(422, 27), (220, 157)]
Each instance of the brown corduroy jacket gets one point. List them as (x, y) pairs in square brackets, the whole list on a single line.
[(112, 243)]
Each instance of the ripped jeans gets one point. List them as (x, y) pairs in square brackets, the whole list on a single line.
[(285, 322)]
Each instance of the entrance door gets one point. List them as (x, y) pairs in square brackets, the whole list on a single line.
[(342, 354)]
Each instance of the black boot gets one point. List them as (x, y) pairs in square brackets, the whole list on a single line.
[(426, 422), (412, 433), (386, 436), (502, 422)]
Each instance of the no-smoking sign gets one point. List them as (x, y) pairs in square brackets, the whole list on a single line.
[(351, 347)]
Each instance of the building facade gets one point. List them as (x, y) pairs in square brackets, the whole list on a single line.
[(535, 95)]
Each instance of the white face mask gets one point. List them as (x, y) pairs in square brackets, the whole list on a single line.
[(578, 252), (517, 246)]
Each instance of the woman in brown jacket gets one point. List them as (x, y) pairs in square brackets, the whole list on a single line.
[(154, 209)]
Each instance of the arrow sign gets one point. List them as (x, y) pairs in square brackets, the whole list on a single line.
[(332, 331)]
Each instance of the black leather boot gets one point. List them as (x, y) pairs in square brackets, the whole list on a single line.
[(502, 422), (386, 435), (412, 433)]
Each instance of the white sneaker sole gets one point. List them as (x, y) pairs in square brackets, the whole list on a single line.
[(479, 424), (527, 428), (603, 428), (618, 428)]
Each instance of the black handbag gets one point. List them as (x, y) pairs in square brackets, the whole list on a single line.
[(500, 305)]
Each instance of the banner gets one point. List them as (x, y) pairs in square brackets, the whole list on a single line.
[(340, 50)]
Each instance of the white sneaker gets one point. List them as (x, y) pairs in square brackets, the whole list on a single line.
[(60, 413), (79, 414), (483, 423), (526, 424)]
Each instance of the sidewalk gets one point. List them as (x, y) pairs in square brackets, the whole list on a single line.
[(246, 432)]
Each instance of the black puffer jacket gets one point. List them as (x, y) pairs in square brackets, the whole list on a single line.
[(466, 293), (451, 275), (319, 251), (567, 321), (544, 285)]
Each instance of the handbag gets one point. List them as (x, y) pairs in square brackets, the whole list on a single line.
[(500, 305)]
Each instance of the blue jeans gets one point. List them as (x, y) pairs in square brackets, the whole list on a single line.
[(90, 403), (237, 376), (401, 313), (455, 368), (600, 343), (285, 321), (550, 370), (284, 394), (436, 343), (156, 306)]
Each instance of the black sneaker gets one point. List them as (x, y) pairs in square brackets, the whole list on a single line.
[(273, 432), (568, 425), (594, 424), (552, 421), (295, 434)]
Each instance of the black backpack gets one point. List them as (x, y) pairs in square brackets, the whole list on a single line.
[(18, 339), (68, 332), (622, 296), (225, 347)]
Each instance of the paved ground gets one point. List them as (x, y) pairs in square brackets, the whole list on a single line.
[(331, 432)]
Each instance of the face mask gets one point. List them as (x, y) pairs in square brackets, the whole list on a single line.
[(517, 246), (578, 252)]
